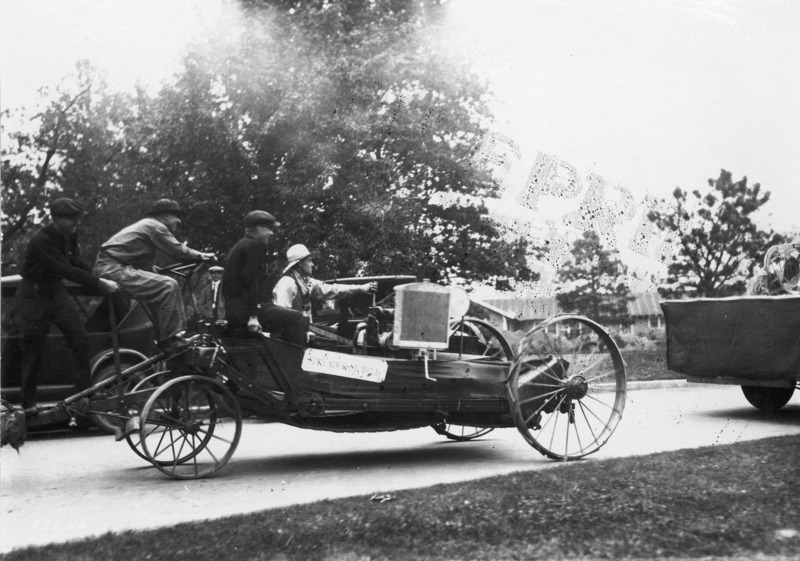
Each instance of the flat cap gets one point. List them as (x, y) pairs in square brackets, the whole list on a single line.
[(215, 269), (66, 207), (165, 206), (260, 218)]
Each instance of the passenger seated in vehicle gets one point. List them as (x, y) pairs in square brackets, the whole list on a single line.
[(128, 258), (297, 290), (245, 286)]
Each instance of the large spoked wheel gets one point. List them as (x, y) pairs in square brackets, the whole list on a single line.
[(151, 382), (479, 339), (461, 433), (767, 399), (567, 387), (190, 427)]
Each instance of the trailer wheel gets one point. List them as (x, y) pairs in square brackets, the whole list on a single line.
[(567, 387), (184, 429), (767, 399)]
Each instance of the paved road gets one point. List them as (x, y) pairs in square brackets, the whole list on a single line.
[(66, 487)]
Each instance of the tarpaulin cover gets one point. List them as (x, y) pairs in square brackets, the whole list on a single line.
[(745, 337)]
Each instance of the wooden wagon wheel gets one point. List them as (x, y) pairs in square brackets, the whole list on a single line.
[(190, 427), (152, 381), (567, 387)]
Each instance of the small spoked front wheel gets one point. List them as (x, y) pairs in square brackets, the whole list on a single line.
[(190, 427), (567, 387), (150, 383)]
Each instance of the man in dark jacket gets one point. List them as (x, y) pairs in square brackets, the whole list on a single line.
[(247, 292), (52, 256)]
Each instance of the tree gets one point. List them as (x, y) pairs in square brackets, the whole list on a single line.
[(344, 140), (341, 118), (30, 158), (593, 282), (718, 244)]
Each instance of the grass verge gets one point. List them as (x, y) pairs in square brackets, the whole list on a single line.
[(733, 501)]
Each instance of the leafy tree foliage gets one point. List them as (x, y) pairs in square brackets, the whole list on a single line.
[(593, 282), (341, 118), (718, 244)]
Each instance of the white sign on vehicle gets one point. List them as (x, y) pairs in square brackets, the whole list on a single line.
[(347, 366)]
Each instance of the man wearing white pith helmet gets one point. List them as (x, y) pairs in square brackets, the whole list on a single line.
[(296, 289)]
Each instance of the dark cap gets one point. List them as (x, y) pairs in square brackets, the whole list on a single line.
[(66, 207), (260, 218), (165, 206)]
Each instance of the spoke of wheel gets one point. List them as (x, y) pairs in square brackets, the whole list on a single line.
[(588, 423), (542, 396), (170, 444), (578, 434), (534, 414), (194, 463), (210, 453), (180, 450), (160, 440), (554, 415), (551, 416), (603, 403), (599, 376), (213, 435), (550, 343), (543, 384), (589, 409), (523, 379)]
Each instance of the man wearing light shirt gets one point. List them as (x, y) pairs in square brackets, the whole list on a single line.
[(128, 258), (297, 290)]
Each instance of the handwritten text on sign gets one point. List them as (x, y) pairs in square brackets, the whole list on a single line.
[(347, 366)]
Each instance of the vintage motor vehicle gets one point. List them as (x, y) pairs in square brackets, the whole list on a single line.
[(411, 360), (750, 341), (133, 327)]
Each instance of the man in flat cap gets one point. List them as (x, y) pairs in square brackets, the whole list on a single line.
[(245, 287), (52, 256), (129, 255), (296, 289)]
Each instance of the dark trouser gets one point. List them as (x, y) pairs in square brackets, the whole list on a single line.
[(37, 306), (289, 324)]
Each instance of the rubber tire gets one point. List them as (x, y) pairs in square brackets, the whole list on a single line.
[(766, 399)]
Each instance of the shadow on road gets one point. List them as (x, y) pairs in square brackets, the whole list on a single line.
[(788, 416), (443, 455)]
